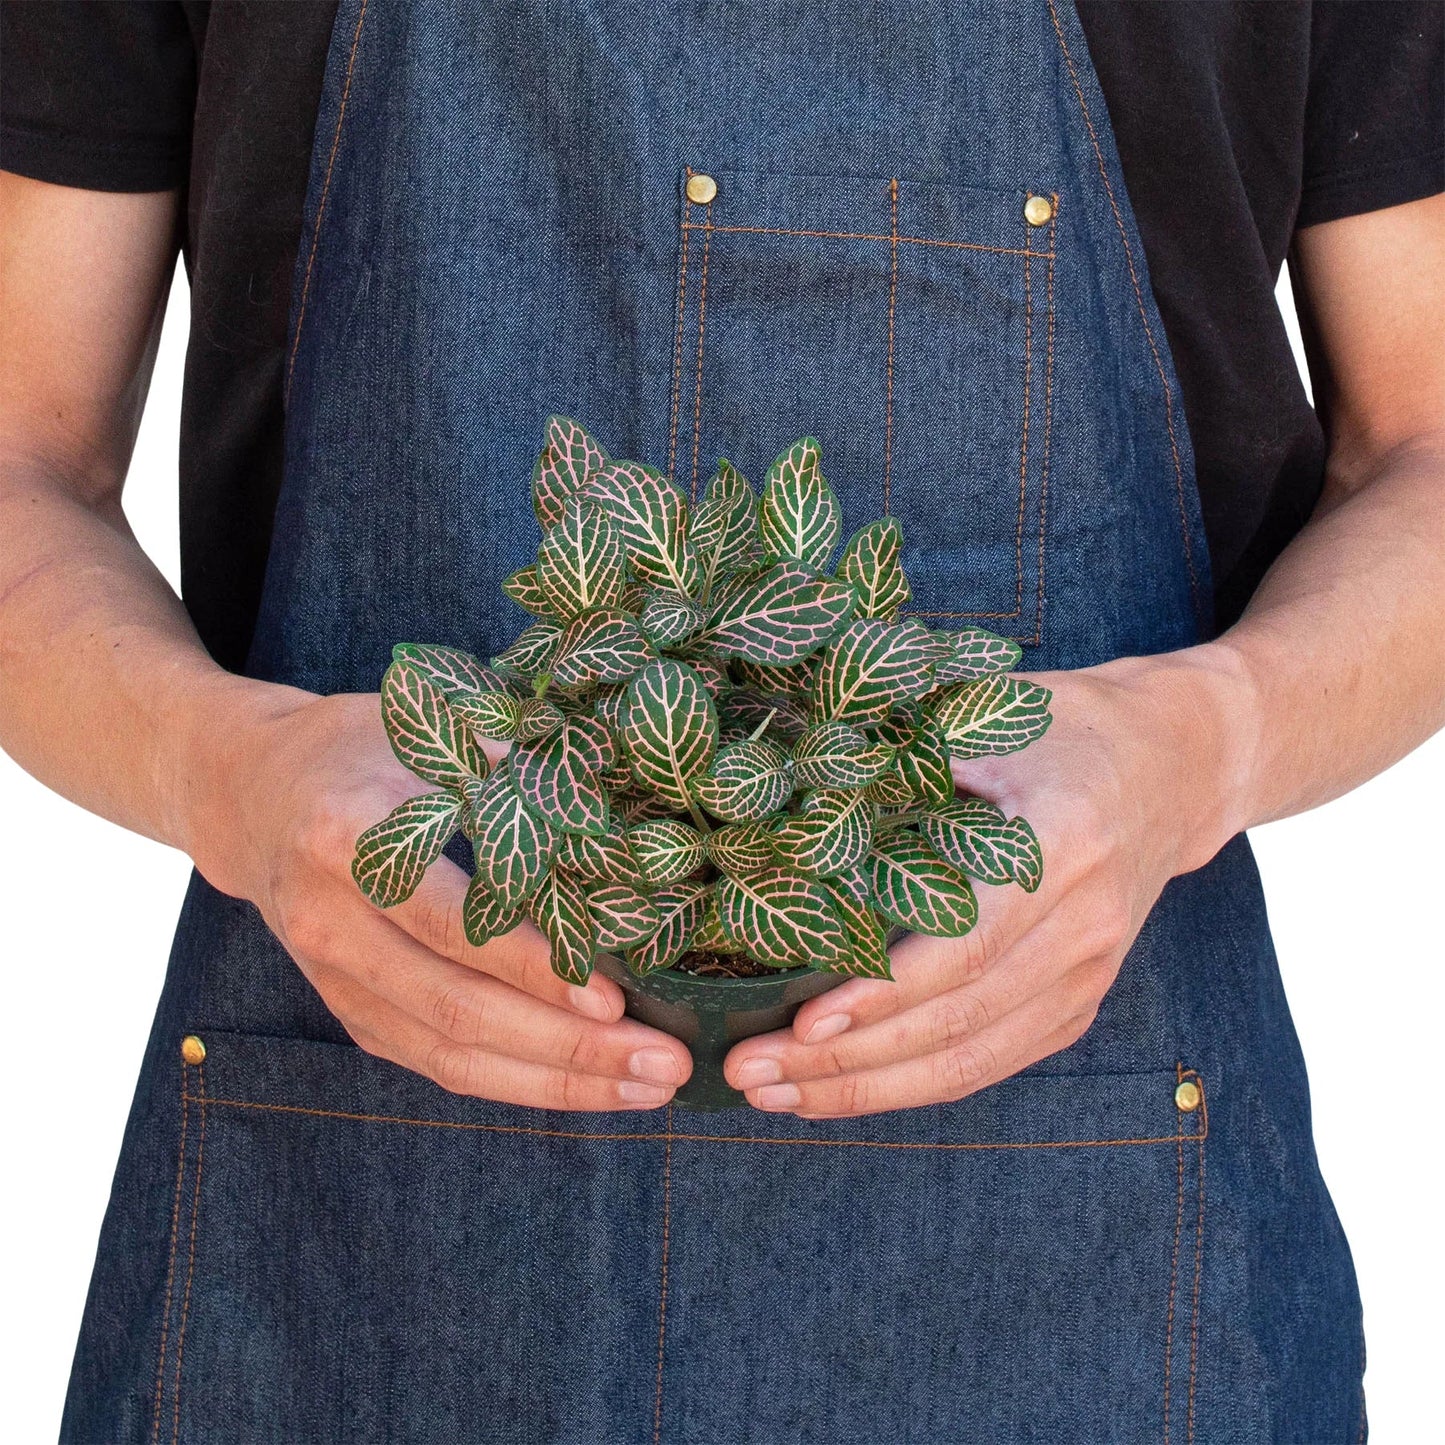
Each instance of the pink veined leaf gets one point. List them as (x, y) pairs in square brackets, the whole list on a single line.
[(451, 668), (392, 856), (595, 741), (972, 652), (494, 715), (580, 564), (623, 915), (799, 515), (602, 646), (665, 849), (747, 781), (869, 668), (913, 886), (559, 909), (568, 459), (483, 915), (835, 755), (871, 563), (537, 718), (554, 780), (512, 846), (681, 908), (979, 839), (523, 588), (669, 729), (784, 919), (865, 934), (780, 618), (650, 515), (425, 734), (606, 858), (531, 654), (997, 714), (668, 618), (830, 834), (924, 766), (724, 528), (742, 847)]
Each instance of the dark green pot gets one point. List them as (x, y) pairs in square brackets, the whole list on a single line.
[(710, 1015)]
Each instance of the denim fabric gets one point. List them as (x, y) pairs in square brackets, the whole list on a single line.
[(308, 1244)]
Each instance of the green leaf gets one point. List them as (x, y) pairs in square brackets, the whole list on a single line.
[(450, 667), (483, 916), (623, 916), (871, 666), (865, 933), (665, 849), (649, 514), (724, 527), (531, 654), (924, 766), (557, 784), (606, 858), (568, 460), (668, 618), (742, 847), (870, 562), (681, 908), (559, 909), (392, 855), (513, 847), (522, 587), (747, 780), (830, 834), (834, 755), (714, 675), (889, 789), (799, 516), (744, 712), (972, 652), (425, 734), (913, 886), (784, 919), (993, 715), (669, 728), (797, 678), (900, 727), (602, 646), (488, 714), (580, 564), (779, 617), (595, 742), (976, 837), (537, 718), (710, 936), (639, 806)]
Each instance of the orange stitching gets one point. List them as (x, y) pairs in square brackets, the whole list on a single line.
[(321, 205), (892, 302), (1139, 301), (190, 1261), (1173, 1266), (1048, 427), (662, 1285), (677, 339), (657, 1138), (869, 236), (701, 325), (171, 1266), (1198, 1261)]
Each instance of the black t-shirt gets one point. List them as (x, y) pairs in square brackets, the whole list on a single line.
[(1237, 124)]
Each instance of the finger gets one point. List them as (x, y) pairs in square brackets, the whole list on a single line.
[(479, 1011), (924, 967), (384, 1030), (1031, 1032), (1032, 968), (433, 917)]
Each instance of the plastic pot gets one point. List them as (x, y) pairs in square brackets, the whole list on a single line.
[(710, 1015)]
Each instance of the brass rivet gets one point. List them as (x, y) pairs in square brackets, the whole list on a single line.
[(701, 189), (1038, 210), (1187, 1095), (192, 1049)]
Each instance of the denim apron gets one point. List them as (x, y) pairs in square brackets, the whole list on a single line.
[(914, 243)]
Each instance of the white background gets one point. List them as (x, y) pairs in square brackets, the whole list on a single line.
[(88, 912)]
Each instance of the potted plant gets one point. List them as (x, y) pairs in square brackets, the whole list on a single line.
[(728, 777)]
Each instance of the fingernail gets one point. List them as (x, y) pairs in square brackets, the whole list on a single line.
[(827, 1027), (758, 1071), (657, 1066), (646, 1096), (777, 1096), (589, 1001)]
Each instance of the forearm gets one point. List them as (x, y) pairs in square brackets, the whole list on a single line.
[(106, 693)]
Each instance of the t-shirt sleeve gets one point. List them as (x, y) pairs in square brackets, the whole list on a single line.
[(97, 94), (1375, 109)]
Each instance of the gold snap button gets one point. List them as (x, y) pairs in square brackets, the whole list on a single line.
[(1187, 1095), (1038, 210), (701, 189), (192, 1049)]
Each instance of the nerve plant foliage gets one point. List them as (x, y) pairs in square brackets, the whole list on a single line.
[(723, 737)]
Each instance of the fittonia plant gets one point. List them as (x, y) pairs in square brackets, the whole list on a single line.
[(723, 739)]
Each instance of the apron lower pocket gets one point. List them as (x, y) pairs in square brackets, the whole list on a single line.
[(359, 1255)]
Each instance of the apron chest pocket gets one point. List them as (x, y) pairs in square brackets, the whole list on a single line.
[(907, 325)]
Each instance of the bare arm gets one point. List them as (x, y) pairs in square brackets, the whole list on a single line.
[(107, 695), (1336, 670)]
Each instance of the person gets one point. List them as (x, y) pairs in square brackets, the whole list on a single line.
[(1014, 266)]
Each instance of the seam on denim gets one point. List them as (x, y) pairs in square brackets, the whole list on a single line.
[(325, 194), (884, 237), (701, 331), (892, 307), (1048, 428), (190, 1259), (1024, 441), (677, 335), (1198, 1258), (171, 1265), (213, 1102), (1139, 302), (662, 1278), (1173, 1263)]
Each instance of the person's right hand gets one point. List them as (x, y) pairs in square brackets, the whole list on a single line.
[(274, 813)]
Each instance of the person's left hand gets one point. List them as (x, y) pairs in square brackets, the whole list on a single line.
[(1130, 786)]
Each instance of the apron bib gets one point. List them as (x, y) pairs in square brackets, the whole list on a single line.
[(920, 250)]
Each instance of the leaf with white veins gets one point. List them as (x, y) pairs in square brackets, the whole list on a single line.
[(669, 728), (747, 781), (392, 856), (556, 782), (424, 732), (870, 667), (580, 564), (993, 715), (830, 833), (785, 919), (779, 618), (799, 516), (681, 908), (650, 516), (835, 755), (559, 909), (871, 563), (913, 886), (623, 916)]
